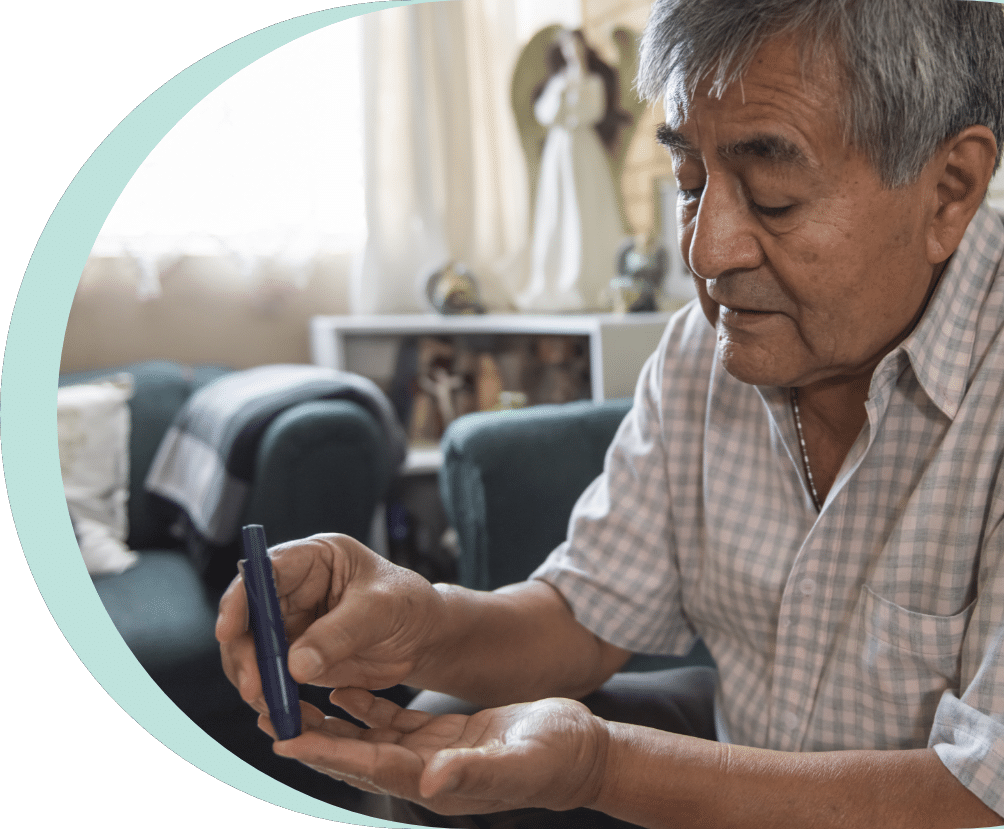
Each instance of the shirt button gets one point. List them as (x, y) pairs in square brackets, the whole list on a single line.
[(790, 720), (807, 586)]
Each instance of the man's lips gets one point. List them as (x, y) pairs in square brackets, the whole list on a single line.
[(738, 310), (738, 306), (743, 319)]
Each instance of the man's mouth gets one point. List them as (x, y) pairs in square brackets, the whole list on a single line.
[(745, 310)]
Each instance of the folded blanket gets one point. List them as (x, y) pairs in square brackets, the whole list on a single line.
[(205, 462)]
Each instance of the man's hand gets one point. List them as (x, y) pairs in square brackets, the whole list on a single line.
[(548, 754), (352, 618)]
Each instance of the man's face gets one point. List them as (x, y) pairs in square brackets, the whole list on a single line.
[(807, 267)]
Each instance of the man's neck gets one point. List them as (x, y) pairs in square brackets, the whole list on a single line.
[(832, 412), (832, 415)]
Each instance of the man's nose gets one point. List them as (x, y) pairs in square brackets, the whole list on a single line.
[(722, 237)]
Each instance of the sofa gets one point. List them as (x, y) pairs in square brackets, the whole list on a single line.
[(509, 481), (320, 466)]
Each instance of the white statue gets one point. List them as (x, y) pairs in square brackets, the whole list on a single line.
[(577, 224)]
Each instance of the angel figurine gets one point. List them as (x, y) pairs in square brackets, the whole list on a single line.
[(577, 221)]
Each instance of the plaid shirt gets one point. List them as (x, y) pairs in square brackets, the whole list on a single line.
[(879, 622)]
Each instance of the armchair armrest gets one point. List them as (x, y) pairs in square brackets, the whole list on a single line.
[(510, 479), (509, 482), (322, 466)]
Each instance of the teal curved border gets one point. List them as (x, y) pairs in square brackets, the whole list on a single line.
[(28, 409)]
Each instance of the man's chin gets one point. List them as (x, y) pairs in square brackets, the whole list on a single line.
[(765, 354), (747, 368)]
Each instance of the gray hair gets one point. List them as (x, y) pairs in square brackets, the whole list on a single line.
[(914, 72)]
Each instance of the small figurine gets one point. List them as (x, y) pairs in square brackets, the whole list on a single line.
[(563, 374), (641, 268), (489, 383), (454, 290), (443, 388)]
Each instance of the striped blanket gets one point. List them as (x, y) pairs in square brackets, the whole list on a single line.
[(205, 462)]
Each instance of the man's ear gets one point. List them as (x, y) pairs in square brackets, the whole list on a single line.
[(963, 167)]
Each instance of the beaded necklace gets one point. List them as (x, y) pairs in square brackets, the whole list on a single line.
[(805, 453)]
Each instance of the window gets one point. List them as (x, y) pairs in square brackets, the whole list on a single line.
[(269, 163)]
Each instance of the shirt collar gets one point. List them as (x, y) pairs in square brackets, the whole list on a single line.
[(940, 348)]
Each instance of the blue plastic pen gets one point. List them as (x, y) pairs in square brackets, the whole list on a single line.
[(271, 647)]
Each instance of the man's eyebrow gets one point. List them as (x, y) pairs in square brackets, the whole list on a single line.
[(766, 146), (672, 140)]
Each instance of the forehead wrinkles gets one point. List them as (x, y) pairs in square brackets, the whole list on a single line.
[(781, 111), (816, 64)]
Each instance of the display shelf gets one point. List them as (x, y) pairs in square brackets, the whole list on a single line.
[(618, 343)]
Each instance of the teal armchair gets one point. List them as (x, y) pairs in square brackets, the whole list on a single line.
[(509, 481), (320, 466)]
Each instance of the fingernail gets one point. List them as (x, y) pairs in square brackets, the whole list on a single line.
[(305, 664)]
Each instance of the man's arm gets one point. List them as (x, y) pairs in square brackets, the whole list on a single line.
[(554, 754), (656, 779), (356, 620), (517, 644)]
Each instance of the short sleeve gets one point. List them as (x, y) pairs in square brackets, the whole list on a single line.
[(968, 731), (618, 569)]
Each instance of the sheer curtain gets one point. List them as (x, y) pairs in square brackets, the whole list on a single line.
[(445, 175), (406, 111), (261, 172)]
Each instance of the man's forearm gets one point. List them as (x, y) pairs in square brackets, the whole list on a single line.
[(516, 644), (656, 779)]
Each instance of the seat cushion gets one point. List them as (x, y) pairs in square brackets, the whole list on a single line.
[(162, 610)]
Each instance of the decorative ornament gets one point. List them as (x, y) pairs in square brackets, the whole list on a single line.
[(453, 289), (641, 268)]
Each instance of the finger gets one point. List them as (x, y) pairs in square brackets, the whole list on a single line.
[(310, 575), (293, 564), (489, 772), (377, 712), (387, 767), (331, 641), (306, 570), (337, 728), (300, 585), (241, 668), (232, 615), (310, 717)]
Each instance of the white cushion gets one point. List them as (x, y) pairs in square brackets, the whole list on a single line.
[(93, 425)]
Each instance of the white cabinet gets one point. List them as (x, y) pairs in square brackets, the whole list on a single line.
[(616, 346), (367, 345)]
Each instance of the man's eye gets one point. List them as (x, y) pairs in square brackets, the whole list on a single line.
[(692, 194), (770, 212)]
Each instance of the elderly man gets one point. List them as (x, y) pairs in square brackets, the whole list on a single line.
[(812, 482)]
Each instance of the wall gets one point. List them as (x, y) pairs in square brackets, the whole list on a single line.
[(997, 190), (207, 313)]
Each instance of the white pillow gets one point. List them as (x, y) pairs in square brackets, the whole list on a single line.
[(93, 426)]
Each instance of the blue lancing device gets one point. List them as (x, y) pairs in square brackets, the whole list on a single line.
[(271, 647)]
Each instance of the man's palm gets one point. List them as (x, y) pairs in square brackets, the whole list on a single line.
[(549, 753)]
